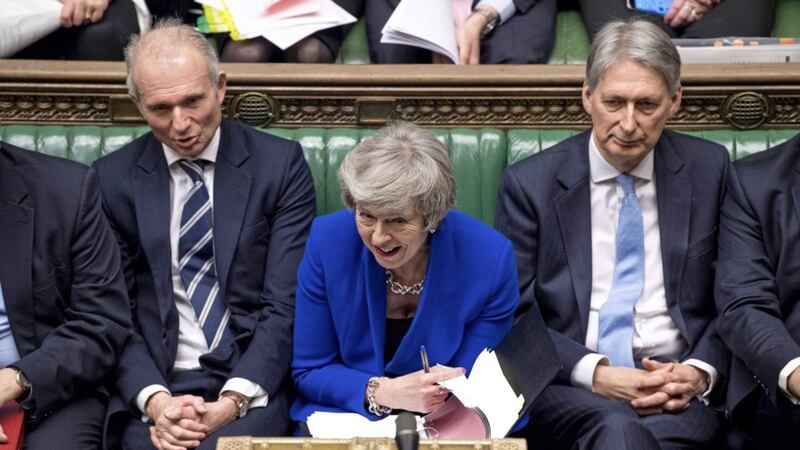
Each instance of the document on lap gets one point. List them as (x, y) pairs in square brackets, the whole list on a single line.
[(330, 425), (435, 30), (23, 22)]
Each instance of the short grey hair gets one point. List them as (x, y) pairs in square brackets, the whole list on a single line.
[(402, 167), (167, 38), (639, 41)]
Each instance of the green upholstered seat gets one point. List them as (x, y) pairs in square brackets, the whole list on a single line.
[(478, 155)]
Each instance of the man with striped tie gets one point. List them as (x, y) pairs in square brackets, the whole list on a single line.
[(615, 232), (211, 217)]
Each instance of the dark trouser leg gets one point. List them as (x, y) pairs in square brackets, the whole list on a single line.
[(767, 425), (376, 13), (524, 38), (77, 425), (697, 427), (565, 417)]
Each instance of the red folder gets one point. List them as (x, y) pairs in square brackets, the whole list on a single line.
[(12, 419)]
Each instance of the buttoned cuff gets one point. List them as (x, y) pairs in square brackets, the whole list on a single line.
[(713, 377), (583, 373), (783, 380), (144, 395), (257, 395), (506, 8)]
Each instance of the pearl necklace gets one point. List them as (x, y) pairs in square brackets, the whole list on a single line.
[(402, 289)]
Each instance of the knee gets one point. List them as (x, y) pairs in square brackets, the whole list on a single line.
[(248, 51), (310, 50)]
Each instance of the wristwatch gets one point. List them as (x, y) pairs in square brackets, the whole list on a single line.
[(22, 382), (492, 20), (242, 403)]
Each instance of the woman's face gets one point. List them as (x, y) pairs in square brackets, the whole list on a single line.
[(394, 239)]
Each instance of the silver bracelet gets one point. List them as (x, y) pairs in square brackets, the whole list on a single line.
[(372, 385)]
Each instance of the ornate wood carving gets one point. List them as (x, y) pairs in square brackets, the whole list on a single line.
[(286, 443), (291, 95)]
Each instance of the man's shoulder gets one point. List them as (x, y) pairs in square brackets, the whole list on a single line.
[(268, 144), (773, 163), (696, 150), (125, 156), (40, 169), (545, 160)]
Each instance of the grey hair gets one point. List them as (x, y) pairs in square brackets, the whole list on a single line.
[(402, 167), (167, 38), (639, 41)]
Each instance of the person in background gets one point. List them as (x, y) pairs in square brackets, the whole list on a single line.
[(494, 32), (615, 234), (396, 271), (690, 18), (211, 216)]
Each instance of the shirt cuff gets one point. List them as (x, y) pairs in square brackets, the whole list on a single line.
[(506, 8), (257, 395), (146, 393), (713, 377), (583, 373), (783, 380)]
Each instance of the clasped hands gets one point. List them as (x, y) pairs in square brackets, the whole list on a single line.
[(656, 389), (182, 422)]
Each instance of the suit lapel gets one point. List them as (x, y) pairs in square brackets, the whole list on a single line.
[(231, 194), (16, 248), (573, 211), (674, 200), (152, 203)]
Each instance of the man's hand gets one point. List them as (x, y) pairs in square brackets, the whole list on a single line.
[(416, 391), (468, 38), (624, 383), (177, 420), (75, 13), (689, 383), (683, 13), (9, 388), (793, 383), (219, 413)]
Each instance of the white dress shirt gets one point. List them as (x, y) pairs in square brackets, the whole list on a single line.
[(191, 339), (655, 333)]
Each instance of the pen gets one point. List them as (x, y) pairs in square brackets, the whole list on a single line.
[(423, 354)]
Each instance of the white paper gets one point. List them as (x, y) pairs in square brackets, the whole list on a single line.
[(289, 25), (433, 30), (330, 425), (488, 389), (24, 22)]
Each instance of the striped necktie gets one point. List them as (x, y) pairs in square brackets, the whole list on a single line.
[(615, 333), (196, 253)]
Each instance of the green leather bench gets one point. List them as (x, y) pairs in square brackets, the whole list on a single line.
[(572, 41), (478, 155)]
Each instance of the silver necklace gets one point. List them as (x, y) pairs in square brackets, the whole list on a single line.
[(402, 289)]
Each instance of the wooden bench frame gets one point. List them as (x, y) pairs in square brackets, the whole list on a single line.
[(763, 96)]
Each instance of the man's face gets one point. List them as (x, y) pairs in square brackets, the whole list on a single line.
[(178, 101), (629, 107)]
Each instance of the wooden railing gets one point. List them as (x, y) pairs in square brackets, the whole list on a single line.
[(337, 95)]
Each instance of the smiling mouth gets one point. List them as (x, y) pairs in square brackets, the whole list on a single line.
[(388, 251)]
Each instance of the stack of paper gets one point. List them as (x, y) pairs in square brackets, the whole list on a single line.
[(282, 22), (24, 22), (433, 29)]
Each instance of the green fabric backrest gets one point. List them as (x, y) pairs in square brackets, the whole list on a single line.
[(787, 19), (478, 155)]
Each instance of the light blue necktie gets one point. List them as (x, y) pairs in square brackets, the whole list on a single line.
[(196, 253), (615, 333)]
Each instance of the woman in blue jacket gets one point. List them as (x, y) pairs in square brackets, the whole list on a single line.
[(396, 271)]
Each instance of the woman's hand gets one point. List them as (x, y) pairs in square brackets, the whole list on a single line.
[(683, 13), (80, 12), (418, 391)]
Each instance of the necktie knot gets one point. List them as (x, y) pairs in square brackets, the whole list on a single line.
[(194, 169), (626, 181)]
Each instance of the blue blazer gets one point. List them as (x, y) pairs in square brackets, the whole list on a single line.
[(263, 207), (467, 305), (757, 274), (544, 208)]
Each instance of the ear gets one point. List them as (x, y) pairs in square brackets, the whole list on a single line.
[(675, 102), (221, 84), (586, 95)]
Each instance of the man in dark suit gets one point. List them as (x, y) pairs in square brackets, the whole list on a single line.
[(211, 216), (615, 232), (494, 32), (63, 309), (757, 292)]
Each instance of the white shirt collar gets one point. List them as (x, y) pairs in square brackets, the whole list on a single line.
[(601, 170), (208, 154)]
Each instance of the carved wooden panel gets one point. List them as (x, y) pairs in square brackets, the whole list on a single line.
[(360, 443)]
